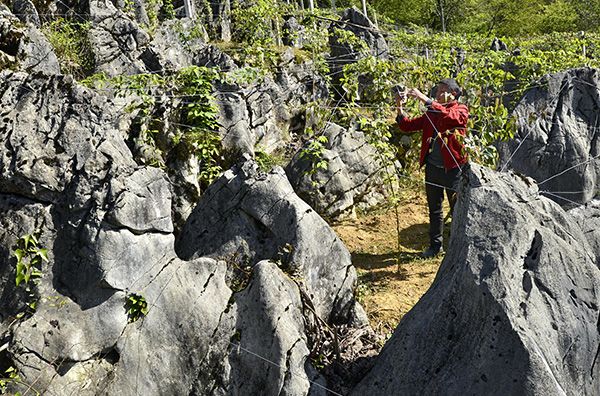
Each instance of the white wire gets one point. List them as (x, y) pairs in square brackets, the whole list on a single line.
[(568, 169)]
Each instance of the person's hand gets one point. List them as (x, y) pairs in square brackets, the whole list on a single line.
[(400, 103), (415, 93)]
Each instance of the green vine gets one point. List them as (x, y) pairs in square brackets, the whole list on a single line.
[(193, 130), (28, 269), (11, 377)]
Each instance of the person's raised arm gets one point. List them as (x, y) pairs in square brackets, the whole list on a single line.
[(406, 124)]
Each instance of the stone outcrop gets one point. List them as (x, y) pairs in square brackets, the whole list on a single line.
[(366, 40), (263, 115), (24, 47), (557, 136), (248, 216), (352, 177), (209, 326), (356, 22), (116, 41), (588, 218), (514, 308)]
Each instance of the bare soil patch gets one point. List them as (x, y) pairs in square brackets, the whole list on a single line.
[(387, 290)]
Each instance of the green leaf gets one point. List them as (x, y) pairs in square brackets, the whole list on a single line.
[(19, 254), (43, 253)]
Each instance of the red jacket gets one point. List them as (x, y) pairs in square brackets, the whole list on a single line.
[(448, 119)]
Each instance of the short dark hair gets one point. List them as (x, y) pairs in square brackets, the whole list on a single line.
[(453, 85)]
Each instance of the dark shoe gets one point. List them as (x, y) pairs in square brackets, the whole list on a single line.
[(432, 252)]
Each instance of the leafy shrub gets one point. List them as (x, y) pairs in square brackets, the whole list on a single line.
[(10, 376), (28, 269)]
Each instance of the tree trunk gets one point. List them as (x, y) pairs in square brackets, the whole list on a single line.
[(189, 8), (364, 5), (442, 17)]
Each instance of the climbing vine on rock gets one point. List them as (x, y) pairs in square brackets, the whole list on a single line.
[(30, 257), (188, 130)]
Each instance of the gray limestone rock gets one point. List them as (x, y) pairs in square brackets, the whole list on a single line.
[(270, 323), (25, 10), (106, 223), (220, 24), (557, 136), (141, 202), (362, 28), (252, 116), (262, 115), (139, 9), (23, 46), (498, 45), (293, 33), (19, 216), (588, 218), (173, 47), (351, 179), (51, 128), (248, 216), (117, 41), (514, 308), (344, 52), (211, 56)]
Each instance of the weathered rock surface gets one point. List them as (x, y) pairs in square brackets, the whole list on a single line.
[(588, 218), (351, 179), (262, 115), (293, 33), (344, 51), (24, 47), (117, 41), (66, 171), (248, 216), (51, 128), (25, 10), (356, 22), (170, 50), (557, 136), (514, 308)]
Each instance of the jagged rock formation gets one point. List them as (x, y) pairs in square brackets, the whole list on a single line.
[(293, 33), (588, 218), (354, 21), (263, 115), (352, 178), (344, 51), (66, 170), (169, 50), (248, 216), (514, 308), (24, 47), (557, 136), (116, 40)]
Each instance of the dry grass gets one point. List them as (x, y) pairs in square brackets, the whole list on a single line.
[(387, 290)]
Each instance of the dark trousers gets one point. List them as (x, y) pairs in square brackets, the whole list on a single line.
[(437, 180)]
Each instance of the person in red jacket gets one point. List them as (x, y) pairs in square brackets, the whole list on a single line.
[(442, 151)]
